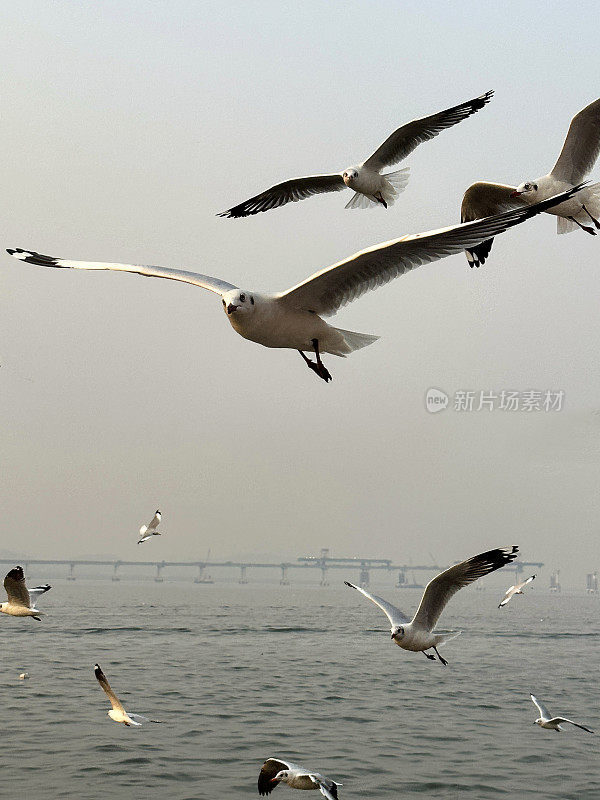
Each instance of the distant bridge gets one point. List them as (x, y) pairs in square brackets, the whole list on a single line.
[(323, 562)]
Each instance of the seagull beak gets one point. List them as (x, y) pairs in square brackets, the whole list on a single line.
[(516, 194), (231, 308)]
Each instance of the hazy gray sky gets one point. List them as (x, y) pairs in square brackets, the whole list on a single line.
[(128, 125)]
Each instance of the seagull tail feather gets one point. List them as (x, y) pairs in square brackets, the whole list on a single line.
[(355, 341), (443, 638)]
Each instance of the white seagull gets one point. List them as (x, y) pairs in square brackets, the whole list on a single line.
[(21, 600), (148, 531), (117, 712), (370, 187), (276, 770), (516, 589), (553, 723), (577, 157), (294, 318), (417, 634)]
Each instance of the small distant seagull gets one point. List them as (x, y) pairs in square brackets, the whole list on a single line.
[(21, 600), (24, 676), (117, 712), (418, 634), (553, 723), (577, 157), (148, 531), (516, 589), (294, 318), (370, 187), (276, 770)]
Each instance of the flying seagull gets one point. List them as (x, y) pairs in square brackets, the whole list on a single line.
[(370, 186), (276, 770), (577, 157), (294, 318), (117, 712), (21, 600), (516, 589), (148, 531), (417, 634), (553, 723)]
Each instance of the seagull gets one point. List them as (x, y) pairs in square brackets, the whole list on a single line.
[(276, 770), (148, 531), (578, 156), (417, 634), (553, 723), (21, 600), (117, 712), (516, 589), (370, 187), (294, 318)]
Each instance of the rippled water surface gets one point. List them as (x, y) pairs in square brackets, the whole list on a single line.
[(239, 673)]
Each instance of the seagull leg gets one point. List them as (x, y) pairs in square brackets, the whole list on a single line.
[(443, 660), (427, 655), (319, 367), (379, 198), (594, 220), (585, 228)]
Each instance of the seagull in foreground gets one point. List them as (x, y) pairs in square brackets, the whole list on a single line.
[(148, 531), (417, 634), (577, 157), (554, 723), (370, 187), (117, 712), (21, 600), (516, 589), (294, 318), (276, 770)]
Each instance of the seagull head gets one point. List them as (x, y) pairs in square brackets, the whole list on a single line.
[(349, 176), (237, 302), (398, 632), (525, 188), (282, 775)]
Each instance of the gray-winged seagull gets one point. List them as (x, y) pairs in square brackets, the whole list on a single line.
[(149, 530), (276, 770), (578, 156), (21, 600), (545, 720), (417, 634), (117, 712), (370, 187), (294, 318)]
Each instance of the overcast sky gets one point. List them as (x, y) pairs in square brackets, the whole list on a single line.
[(128, 125)]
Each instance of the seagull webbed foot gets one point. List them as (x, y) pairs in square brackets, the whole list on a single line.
[(427, 655), (443, 660), (585, 228), (320, 368), (594, 220)]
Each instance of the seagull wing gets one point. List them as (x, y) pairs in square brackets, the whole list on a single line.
[(439, 590), (287, 192), (581, 147), (327, 291), (37, 591), (155, 521), (18, 593), (481, 200), (268, 771), (544, 713), (327, 788), (509, 593), (114, 700), (204, 281), (140, 719), (570, 721), (403, 141), (395, 616), (524, 583)]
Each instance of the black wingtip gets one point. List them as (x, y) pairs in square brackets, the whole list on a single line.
[(481, 101)]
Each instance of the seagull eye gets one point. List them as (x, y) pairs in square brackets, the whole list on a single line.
[(243, 298)]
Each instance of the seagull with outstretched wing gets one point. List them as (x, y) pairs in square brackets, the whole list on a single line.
[(577, 157), (149, 530), (513, 590), (418, 634), (21, 600), (277, 770), (294, 318), (370, 187), (546, 720), (117, 712)]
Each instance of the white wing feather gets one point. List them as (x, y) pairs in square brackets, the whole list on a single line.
[(395, 616), (581, 147)]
